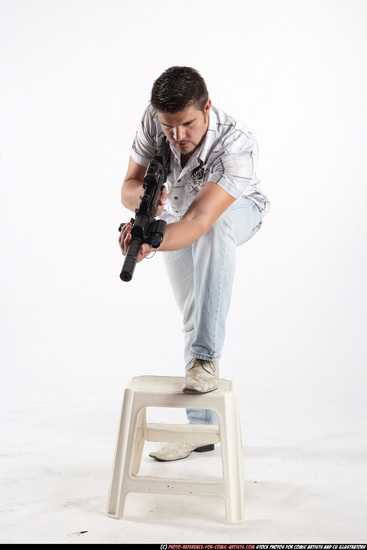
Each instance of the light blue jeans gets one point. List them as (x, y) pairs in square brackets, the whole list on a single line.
[(202, 276)]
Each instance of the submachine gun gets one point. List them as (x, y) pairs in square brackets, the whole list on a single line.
[(145, 228)]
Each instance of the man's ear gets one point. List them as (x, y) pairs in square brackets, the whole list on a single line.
[(207, 107)]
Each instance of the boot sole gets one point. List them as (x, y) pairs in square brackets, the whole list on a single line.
[(205, 448), (191, 390)]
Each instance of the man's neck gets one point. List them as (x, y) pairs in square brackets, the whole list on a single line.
[(184, 159)]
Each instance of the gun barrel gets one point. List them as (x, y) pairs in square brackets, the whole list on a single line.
[(130, 260)]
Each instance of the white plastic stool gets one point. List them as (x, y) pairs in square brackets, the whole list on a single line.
[(166, 391)]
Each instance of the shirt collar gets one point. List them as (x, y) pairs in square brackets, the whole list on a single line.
[(206, 146)]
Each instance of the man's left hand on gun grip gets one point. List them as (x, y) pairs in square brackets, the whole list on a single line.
[(162, 201)]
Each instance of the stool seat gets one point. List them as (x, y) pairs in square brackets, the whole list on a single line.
[(167, 391)]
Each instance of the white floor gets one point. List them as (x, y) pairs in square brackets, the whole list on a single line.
[(305, 469)]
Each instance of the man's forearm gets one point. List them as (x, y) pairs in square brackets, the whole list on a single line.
[(181, 234), (131, 193), (205, 209)]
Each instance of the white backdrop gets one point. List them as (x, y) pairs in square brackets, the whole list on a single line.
[(75, 78)]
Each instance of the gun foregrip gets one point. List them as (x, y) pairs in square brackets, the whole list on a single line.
[(130, 260)]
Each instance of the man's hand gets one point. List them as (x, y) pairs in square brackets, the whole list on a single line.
[(132, 189), (125, 233), (124, 241), (162, 201)]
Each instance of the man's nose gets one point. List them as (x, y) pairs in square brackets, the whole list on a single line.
[(179, 133)]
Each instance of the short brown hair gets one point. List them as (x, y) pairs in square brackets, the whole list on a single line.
[(178, 88)]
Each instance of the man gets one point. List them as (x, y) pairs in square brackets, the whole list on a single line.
[(212, 204)]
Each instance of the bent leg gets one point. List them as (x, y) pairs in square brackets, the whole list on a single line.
[(202, 277)]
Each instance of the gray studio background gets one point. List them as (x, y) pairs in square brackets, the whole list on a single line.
[(75, 78)]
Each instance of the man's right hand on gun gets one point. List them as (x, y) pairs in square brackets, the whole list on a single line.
[(125, 233), (124, 241)]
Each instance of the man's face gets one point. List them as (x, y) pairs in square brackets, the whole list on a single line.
[(186, 129)]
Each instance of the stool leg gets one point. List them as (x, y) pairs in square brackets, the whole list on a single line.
[(139, 442), (231, 446), (122, 460)]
